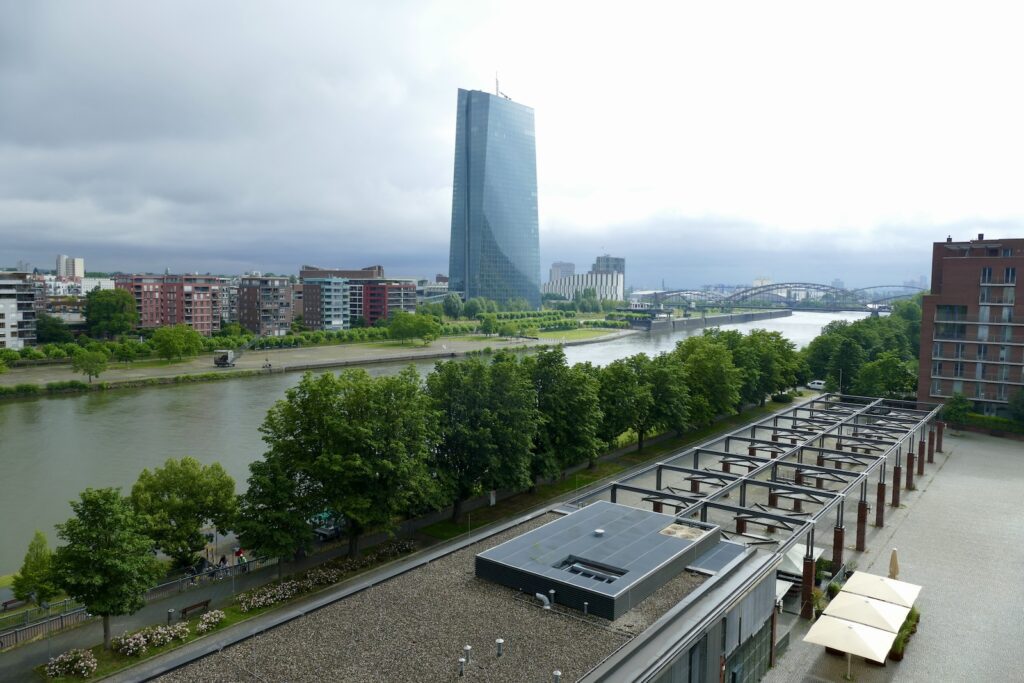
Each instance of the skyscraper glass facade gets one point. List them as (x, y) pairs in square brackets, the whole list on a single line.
[(495, 245)]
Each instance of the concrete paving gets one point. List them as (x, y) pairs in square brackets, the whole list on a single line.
[(961, 537)]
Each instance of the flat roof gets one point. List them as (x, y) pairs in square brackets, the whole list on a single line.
[(414, 627)]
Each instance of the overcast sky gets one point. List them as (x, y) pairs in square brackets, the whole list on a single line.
[(706, 142)]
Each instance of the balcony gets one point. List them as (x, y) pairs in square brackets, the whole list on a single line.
[(974, 320)]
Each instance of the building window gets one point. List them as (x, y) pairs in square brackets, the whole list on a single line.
[(986, 275), (1010, 276), (1004, 351), (982, 332), (984, 311), (982, 351), (936, 387), (958, 369), (936, 349), (960, 351), (1007, 315), (1008, 334), (1001, 392), (936, 368), (979, 370)]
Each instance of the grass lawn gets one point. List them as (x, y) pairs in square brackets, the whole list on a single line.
[(573, 335)]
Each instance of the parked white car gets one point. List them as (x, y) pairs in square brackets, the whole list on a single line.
[(816, 384)]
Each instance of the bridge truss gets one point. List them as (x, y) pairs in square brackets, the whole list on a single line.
[(809, 295)]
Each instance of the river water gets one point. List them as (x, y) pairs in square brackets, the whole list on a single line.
[(52, 448)]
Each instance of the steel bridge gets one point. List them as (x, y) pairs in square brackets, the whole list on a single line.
[(796, 295)]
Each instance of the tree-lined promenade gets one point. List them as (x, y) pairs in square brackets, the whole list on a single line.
[(371, 451)]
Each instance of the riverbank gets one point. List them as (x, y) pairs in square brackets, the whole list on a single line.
[(53, 379)]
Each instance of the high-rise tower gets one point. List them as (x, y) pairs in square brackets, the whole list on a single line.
[(495, 245)]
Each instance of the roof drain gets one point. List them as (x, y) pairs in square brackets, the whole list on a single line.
[(544, 599)]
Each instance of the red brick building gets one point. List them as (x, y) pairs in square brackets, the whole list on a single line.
[(972, 326), (172, 299)]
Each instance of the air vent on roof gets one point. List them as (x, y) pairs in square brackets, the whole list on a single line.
[(590, 569)]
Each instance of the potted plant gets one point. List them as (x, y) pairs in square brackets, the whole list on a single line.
[(818, 601), (833, 589)]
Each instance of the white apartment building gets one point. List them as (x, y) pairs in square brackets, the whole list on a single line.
[(17, 310), (70, 266)]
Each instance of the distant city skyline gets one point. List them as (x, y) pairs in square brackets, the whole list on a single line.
[(700, 148)]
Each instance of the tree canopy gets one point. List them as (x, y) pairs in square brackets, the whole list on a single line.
[(177, 341), (175, 502), (106, 561), (110, 312), (34, 581), (89, 363)]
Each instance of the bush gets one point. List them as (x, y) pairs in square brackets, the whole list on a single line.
[(782, 398), (993, 423), (136, 644), (80, 663), (209, 621)]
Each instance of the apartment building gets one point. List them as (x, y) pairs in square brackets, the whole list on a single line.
[(972, 327), (161, 300), (334, 299), (265, 305), (17, 310)]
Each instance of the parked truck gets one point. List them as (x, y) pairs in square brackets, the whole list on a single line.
[(224, 358)]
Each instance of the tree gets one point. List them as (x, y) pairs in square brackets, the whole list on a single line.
[(1015, 406), (110, 312), (274, 512), (89, 363), (452, 305), (175, 502), (956, 409), (474, 307), (671, 397), (489, 324), (517, 304), (844, 364), (626, 398), (427, 328), (126, 351), (712, 378), (52, 330), (353, 445), (486, 419), (177, 341), (106, 561), (34, 581), (570, 413), (887, 377)]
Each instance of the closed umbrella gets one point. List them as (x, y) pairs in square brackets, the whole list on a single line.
[(851, 638), (894, 565), (867, 611), (897, 592)]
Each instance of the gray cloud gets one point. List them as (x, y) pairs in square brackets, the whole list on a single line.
[(240, 136)]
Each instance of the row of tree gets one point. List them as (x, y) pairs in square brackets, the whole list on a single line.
[(875, 356), (370, 451)]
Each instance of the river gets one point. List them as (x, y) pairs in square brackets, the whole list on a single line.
[(52, 448)]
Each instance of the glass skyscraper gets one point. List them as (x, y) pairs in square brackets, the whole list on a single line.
[(495, 246)]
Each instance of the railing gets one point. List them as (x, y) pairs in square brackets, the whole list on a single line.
[(975, 320), (25, 617), (42, 628), (187, 583)]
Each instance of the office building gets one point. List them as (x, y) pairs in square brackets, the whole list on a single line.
[(972, 326), (607, 286), (265, 305), (609, 264), (68, 266), (495, 242), (162, 300), (561, 269), (17, 310)]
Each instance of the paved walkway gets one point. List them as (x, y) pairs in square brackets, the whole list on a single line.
[(283, 359), (961, 537)]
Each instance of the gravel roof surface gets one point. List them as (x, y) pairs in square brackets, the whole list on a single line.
[(414, 627)]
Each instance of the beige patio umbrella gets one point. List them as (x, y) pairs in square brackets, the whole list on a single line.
[(894, 565), (897, 592), (867, 611), (851, 638)]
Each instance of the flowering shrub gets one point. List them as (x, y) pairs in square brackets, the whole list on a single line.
[(136, 644), (131, 644), (80, 663), (209, 621), (325, 575)]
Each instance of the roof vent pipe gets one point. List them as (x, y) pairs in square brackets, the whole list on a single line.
[(556, 676), (599, 532), (981, 236), (586, 608), (544, 599), (462, 666), (468, 650), (501, 646), (551, 596)]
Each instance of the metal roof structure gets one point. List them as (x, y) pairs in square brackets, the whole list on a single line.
[(601, 559)]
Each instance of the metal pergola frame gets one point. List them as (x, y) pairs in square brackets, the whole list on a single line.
[(850, 440)]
